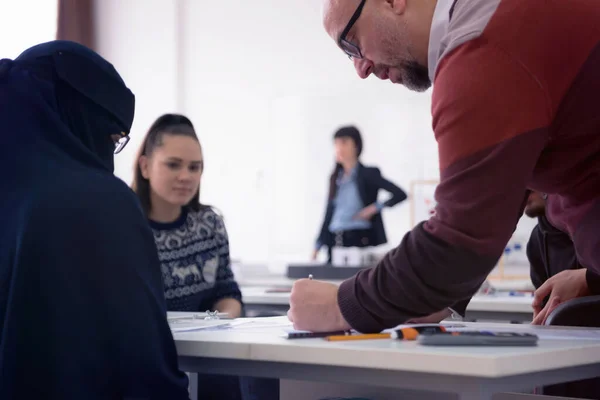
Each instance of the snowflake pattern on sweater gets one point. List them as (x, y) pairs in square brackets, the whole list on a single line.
[(195, 262)]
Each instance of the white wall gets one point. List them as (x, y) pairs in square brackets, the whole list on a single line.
[(20, 28), (266, 88), (140, 38)]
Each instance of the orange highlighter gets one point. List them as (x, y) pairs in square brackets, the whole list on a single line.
[(402, 334)]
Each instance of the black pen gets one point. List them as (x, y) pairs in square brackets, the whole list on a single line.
[(309, 335)]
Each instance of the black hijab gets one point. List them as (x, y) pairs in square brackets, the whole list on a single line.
[(82, 306), (78, 99)]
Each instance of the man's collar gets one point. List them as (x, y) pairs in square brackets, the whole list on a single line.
[(439, 28)]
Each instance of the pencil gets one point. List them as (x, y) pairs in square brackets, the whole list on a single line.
[(368, 336)]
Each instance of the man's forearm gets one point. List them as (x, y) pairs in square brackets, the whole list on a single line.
[(408, 284)]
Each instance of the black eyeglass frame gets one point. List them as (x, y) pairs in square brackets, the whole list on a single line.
[(351, 49), (120, 145)]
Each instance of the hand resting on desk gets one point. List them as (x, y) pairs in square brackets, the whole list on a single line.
[(563, 286), (314, 307)]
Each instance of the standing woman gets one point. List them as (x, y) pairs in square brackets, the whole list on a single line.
[(353, 214)]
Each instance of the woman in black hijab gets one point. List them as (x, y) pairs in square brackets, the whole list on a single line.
[(82, 310)]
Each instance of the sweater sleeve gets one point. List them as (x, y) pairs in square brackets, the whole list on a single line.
[(593, 282), (489, 119), (225, 285), (537, 267)]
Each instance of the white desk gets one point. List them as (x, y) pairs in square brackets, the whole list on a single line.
[(471, 373), (270, 280), (492, 308), (501, 308), (267, 279)]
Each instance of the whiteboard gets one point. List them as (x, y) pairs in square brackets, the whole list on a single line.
[(422, 207), (422, 200)]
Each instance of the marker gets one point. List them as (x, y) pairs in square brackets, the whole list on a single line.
[(400, 334), (413, 332), (405, 334)]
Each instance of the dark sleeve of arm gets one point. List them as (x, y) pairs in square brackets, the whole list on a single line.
[(593, 282), (537, 268), (110, 279), (225, 286), (461, 307), (323, 233), (398, 195), (489, 124)]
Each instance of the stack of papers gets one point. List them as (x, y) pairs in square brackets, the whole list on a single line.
[(187, 321)]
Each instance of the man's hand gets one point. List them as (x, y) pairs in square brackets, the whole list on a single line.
[(434, 318), (367, 212), (314, 307), (561, 287)]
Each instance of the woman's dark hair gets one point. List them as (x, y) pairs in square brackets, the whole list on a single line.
[(353, 133), (167, 124)]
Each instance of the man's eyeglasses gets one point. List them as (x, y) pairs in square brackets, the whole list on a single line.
[(351, 49), (121, 141)]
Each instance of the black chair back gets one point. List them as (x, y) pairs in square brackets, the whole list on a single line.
[(583, 312)]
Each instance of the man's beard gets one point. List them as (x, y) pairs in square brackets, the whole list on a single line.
[(415, 77)]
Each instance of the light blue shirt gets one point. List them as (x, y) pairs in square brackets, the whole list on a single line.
[(347, 203)]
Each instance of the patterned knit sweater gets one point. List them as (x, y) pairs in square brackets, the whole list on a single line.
[(195, 263)]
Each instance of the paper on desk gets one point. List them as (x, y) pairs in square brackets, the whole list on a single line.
[(253, 324), (542, 332), (173, 315), (265, 324), (186, 325)]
